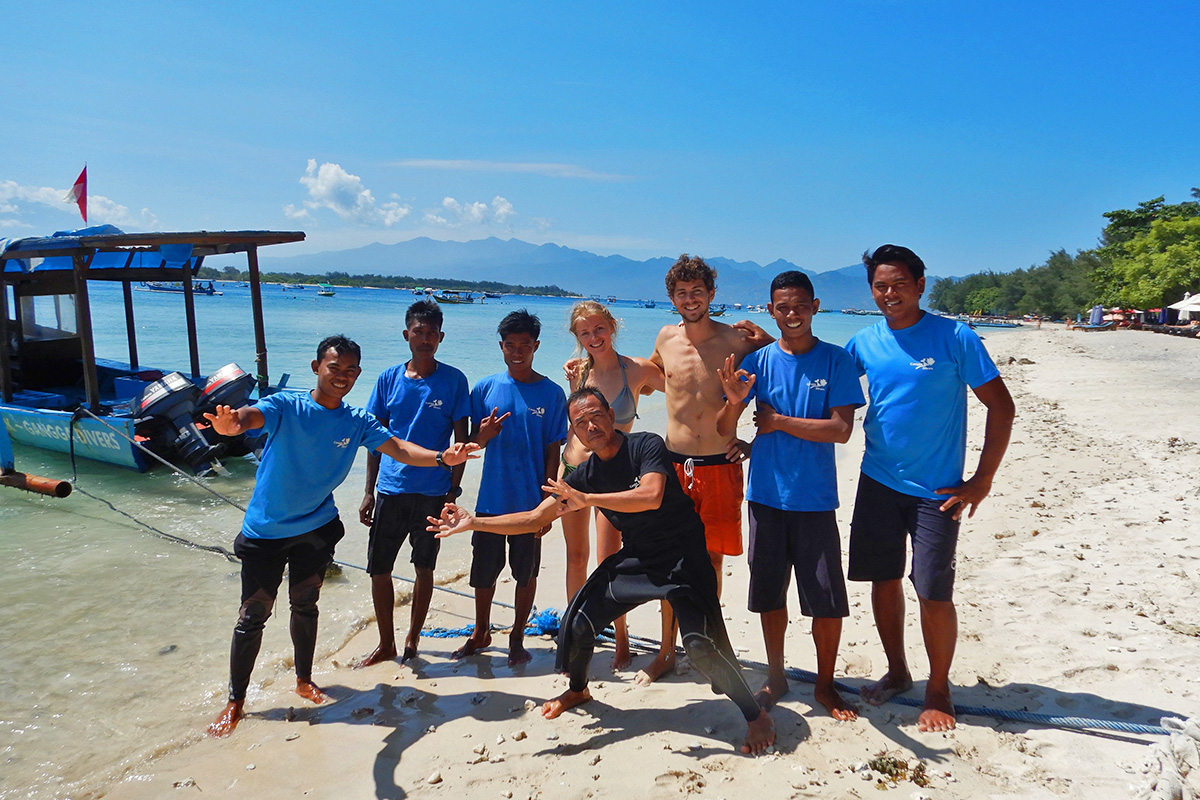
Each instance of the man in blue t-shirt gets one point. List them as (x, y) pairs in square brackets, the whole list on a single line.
[(918, 368), (807, 391), (422, 401), (291, 521), (520, 417)]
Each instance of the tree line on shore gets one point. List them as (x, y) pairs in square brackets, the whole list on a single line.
[(384, 282), (1148, 257)]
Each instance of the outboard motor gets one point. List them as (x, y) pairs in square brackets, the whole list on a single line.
[(172, 402), (229, 386)]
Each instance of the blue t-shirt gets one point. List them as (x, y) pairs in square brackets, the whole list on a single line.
[(308, 453), (514, 462), (917, 379), (422, 411), (787, 472)]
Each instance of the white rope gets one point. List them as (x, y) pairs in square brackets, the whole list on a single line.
[(1172, 770)]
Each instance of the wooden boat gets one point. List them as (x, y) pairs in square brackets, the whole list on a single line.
[(176, 287), (325, 290), (454, 297), (54, 392)]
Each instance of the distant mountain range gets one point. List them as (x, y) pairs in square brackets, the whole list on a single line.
[(515, 261)]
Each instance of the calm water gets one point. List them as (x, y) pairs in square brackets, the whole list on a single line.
[(116, 640)]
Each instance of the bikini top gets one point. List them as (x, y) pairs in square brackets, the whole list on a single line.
[(624, 405)]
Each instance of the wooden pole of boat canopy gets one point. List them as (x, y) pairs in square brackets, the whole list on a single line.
[(83, 326), (260, 336), (189, 306), (5, 381), (130, 328)]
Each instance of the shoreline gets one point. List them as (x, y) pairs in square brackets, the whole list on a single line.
[(1076, 593)]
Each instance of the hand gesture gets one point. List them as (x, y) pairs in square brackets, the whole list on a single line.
[(453, 520), (366, 509), (766, 418), (569, 499), (490, 426), (969, 493), (736, 389), (459, 452), (225, 422), (737, 451), (573, 370), (755, 336)]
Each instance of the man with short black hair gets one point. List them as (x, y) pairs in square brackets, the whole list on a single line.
[(291, 521), (423, 401), (520, 418), (918, 368), (630, 478)]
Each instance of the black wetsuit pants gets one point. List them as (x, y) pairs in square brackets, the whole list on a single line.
[(597, 609), (263, 560)]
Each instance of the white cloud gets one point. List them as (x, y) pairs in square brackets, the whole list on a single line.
[(291, 212), (546, 169), (477, 214), (101, 210), (14, 223), (330, 186)]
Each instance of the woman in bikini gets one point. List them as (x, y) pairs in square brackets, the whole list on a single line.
[(621, 379)]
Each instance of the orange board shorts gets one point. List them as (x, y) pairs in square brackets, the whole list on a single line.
[(715, 486)]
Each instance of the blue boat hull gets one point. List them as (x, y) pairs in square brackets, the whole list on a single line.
[(52, 430)]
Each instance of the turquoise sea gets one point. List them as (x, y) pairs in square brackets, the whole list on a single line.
[(116, 639)]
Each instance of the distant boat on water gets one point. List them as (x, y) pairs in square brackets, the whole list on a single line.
[(296, 286), (325, 290), (454, 297), (646, 304), (177, 287)]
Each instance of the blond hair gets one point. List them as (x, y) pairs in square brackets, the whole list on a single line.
[(588, 308)]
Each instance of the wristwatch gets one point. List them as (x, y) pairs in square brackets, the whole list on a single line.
[(441, 462)]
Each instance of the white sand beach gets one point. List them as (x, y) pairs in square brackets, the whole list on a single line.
[(1077, 595)]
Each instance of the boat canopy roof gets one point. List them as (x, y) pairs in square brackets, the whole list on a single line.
[(112, 254)]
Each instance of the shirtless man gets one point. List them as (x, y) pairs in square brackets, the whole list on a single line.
[(691, 354)]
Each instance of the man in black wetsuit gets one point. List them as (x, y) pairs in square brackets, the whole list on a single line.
[(631, 479)]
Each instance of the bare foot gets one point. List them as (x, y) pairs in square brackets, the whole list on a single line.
[(771, 691), (377, 656), (223, 725), (622, 659), (410, 647), (834, 703), (655, 669), (517, 654), (566, 700), (310, 691), (886, 688), (472, 646), (760, 734), (938, 714)]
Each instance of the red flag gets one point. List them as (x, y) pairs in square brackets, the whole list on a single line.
[(78, 194)]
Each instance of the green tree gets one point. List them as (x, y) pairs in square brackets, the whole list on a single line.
[(985, 300)]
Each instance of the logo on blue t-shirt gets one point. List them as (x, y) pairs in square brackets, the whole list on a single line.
[(818, 385), (342, 442), (924, 363), (540, 411), (434, 404)]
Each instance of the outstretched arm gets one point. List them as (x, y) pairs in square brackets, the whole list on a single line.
[(457, 520), (409, 453), (996, 432), (233, 421)]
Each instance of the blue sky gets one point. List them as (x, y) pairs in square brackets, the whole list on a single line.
[(982, 135)]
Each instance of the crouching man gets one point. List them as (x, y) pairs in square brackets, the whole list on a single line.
[(632, 480)]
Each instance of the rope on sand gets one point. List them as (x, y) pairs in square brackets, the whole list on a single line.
[(1172, 769)]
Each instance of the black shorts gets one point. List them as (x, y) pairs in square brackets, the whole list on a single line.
[(804, 542), (400, 516), (305, 555), (883, 520), (487, 557)]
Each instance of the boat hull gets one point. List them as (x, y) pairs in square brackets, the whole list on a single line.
[(52, 430)]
